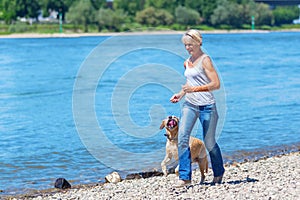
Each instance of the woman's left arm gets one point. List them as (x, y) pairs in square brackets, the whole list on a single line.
[(211, 73)]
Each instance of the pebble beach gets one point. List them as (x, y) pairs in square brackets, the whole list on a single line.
[(277, 177)]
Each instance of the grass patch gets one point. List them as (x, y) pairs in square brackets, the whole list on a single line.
[(51, 28)]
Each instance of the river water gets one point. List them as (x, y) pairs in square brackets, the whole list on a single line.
[(82, 107)]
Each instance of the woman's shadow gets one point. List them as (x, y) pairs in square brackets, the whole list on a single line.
[(246, 180)]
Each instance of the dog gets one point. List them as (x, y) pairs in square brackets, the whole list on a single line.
[(197, 147)]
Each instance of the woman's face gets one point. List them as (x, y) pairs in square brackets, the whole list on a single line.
[(191, 46)]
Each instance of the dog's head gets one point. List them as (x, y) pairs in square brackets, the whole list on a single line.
[(171, 125)]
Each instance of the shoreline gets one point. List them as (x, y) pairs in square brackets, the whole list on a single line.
[(80, 191), (74, 35)]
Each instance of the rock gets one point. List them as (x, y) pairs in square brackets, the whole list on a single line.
[(133, 176), (113, 177), (62, 183), (151, 174)]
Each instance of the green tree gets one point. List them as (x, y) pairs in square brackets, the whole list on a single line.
[(164, 17), (109, 19), (187, 16), (57, 5), (263, 15), (154, 17), (97, 4), (27, 8), (169, 5), (82, 12), (204, 7), (248, 8), (129, 6), (285, 15), (9, 13), (228, 13), (1, 10), (20, 8)]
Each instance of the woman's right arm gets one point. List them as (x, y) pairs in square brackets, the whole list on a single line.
[(177, 97)]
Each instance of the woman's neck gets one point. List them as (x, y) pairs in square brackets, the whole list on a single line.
[(197, 55)]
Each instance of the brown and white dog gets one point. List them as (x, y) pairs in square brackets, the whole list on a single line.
[(197, 147)]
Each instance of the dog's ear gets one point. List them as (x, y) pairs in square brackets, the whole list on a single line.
[(162, 125), (177, 118)]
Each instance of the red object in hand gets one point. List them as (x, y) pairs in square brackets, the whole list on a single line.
[(174, 99)]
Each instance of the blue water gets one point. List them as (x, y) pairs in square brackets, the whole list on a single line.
[(56, 118)]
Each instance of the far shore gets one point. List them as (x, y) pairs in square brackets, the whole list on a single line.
[(63, 35)]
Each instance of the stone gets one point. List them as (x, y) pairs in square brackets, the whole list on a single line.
[(62, 183), (114, 177)]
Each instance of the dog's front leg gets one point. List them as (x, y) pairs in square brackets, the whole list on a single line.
[(164, 163)]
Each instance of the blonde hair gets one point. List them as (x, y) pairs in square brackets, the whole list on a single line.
[(193, 35)]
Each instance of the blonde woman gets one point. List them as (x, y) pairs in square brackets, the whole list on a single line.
[(202, 78)]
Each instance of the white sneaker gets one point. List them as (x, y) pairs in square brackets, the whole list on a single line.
[(182, 183)]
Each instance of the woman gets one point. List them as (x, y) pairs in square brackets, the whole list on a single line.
[(202, 78)]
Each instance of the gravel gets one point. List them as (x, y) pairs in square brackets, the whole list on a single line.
[(277, 177)]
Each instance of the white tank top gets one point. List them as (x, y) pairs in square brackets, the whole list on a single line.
[(196, 76)]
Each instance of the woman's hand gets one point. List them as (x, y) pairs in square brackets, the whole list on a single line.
[(176, 97), (187, 88)]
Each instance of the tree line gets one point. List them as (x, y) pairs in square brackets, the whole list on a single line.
[(120, 15)]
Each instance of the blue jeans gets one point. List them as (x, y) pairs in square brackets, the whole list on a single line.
[(208, 117)]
